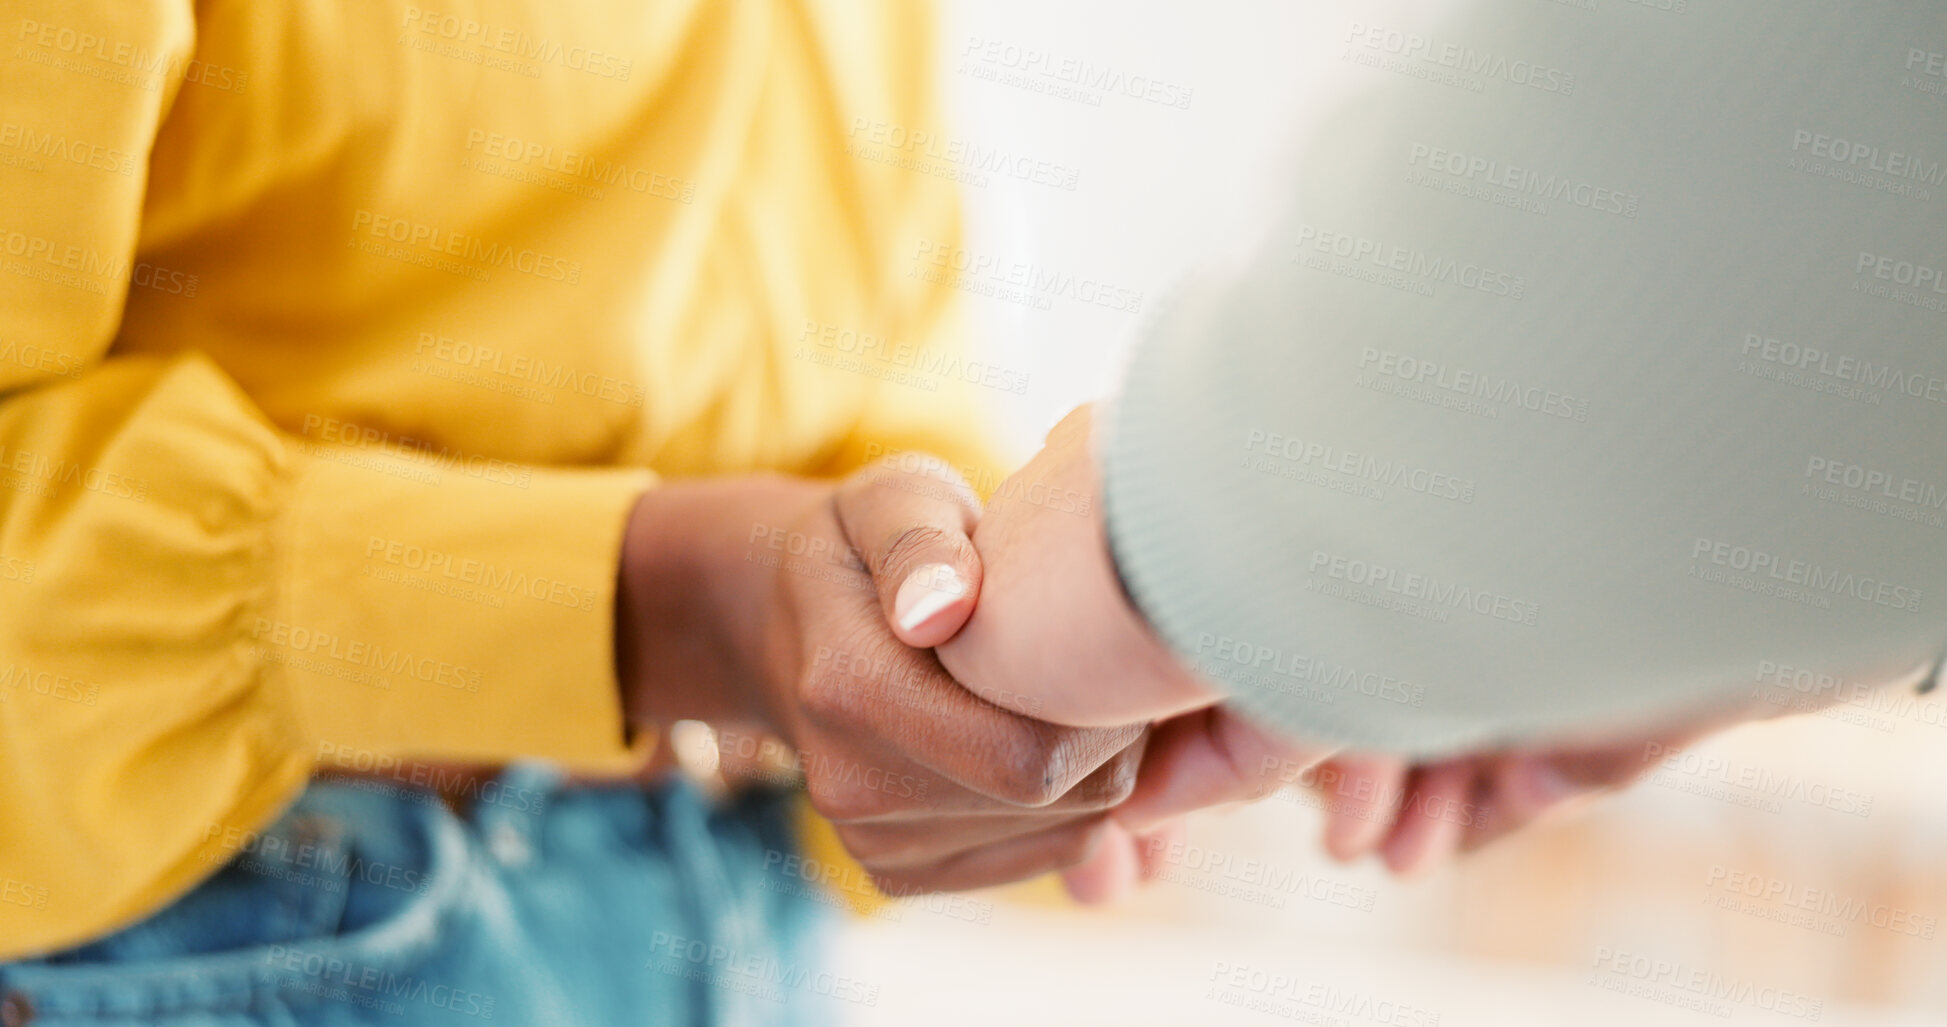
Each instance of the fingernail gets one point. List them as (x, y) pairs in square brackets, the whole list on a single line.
[(925, 592)]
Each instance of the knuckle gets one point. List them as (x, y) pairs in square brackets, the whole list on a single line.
[(1111, 785), (1092, 768), (825, 699), (1031, 772), (916, 544), (834, 692)]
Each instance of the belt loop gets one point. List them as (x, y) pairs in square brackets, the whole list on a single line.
[(509, 818)]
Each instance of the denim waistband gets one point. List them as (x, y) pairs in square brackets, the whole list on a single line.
[(368, 902), (331, 832)]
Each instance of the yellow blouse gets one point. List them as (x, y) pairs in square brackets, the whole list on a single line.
[(337, 340)]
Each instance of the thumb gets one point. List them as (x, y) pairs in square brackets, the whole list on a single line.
[(912, 529)]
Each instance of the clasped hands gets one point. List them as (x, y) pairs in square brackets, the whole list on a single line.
[(972, 698)]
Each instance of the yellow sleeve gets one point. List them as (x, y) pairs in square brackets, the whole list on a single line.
[(195, 607)]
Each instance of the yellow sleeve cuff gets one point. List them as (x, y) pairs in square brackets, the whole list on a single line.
[(449, 609)]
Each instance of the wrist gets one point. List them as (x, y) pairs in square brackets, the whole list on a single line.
[(695, 599)]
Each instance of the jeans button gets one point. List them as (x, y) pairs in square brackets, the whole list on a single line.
[(16, 1009)]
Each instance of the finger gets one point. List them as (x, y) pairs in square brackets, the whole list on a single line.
[(1154, 848), (1112, 872), (1516, 791), (1016, 859), (1429, 826), (901, 825), (911, 528), (912, 844), (1109, 786), (1522, 787), (897, 701), (1205, 758), (1361, 793)]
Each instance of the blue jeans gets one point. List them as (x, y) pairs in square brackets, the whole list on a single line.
[(370, 903)]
